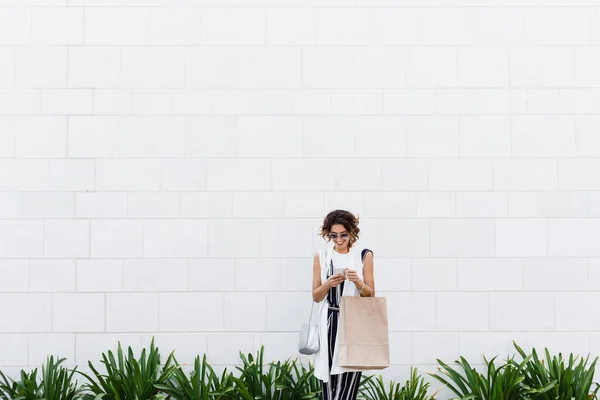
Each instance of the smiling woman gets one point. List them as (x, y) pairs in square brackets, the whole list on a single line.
[(332, 269)]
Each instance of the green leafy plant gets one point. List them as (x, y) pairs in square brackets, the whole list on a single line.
[(201, 384), (128, 378), (27, 388), (254, 382), (504, 382), (573, 381), (56, 383), (295, 381), (372, 388)]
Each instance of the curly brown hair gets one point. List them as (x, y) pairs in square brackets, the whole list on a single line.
[(342, 217)]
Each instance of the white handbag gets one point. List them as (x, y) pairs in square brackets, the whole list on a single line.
[(309, 336)]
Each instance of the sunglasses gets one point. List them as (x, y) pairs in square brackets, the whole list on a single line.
[(334, 236)]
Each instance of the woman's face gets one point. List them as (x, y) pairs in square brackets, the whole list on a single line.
[(339, 236)]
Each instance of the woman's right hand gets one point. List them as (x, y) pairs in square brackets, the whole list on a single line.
[(334, 280)]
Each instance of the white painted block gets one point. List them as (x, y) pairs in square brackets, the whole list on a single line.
[(291, 26), (353, 201), (155, 275), (206, 204), (377, 67), (522, 204), (152, 67), (41, 67), (211, 274), (361, 174), (175, 238), (59, 345), (550, 66), (212, 66), (476, 345), (94, 66), (119, 26), (15, 26), (238, 175), (153, 102), (578, 174), (403, 237), (257, 274), (113, 101), (555, 274), (148, 137), (54, 26), (490, 274), (567, 343), (557, 26), (80, 312), (152, 205), (578, 101), (91, 346), (328, 67), (314, 102), (405, 174), (452, 316), (67, 102), (245, 312), (29, 313), (432, 136), (462, 237), (411, 311), (48, 205), (392, 274), (183, 175), (23, 175), (116, 238), (484, 136), (525, 174), (357, 101), (521, 237), (429, 346), (13, 350), (259, 205), (433, 274), (287, 311), (7, 67), (461, 174), (328, 137), (572, 237), (185, 312), (298, 205), (587, 141), (483, 67), (564, 204), (447, 26), (15, 276), (390, 204), (269, 137), (508, 314), (40, 137), (20, 101), (67, 238), (233, 26), (428, 67), (380, 136), (277, 346), (211, 136), (573, 312), (131, 312), (21, 239), (125, 175), (276, 242), (481, 204), (72, 175), (222, 352), (269, 67), (295, 274), (99, 275), (234, 238), (175, 25), (408, 101), (10, 205), (101, 205), (52, 276), (547, 136)]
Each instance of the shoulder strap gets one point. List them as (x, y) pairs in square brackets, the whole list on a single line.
[(363, 254)]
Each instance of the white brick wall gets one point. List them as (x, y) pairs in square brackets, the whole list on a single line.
[(164, 166)]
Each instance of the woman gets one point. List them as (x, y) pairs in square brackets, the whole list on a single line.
[(341, 228)]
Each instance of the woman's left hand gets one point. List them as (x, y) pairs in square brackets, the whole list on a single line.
[(352, 275)]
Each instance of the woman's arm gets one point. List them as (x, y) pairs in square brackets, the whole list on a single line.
[(369, 279), (320, 289)]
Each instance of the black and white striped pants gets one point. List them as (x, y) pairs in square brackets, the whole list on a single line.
[(343, 386)]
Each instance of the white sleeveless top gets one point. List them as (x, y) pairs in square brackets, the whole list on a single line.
[(354, 261)]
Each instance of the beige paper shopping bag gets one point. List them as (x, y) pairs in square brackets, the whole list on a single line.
[(363, 333)]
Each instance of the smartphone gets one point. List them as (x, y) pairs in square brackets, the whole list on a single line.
[(339, 271)]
